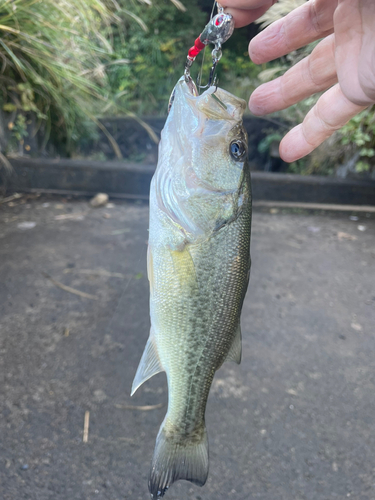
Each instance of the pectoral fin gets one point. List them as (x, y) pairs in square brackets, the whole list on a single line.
[(149, 365), (184, 268), (235, 350)]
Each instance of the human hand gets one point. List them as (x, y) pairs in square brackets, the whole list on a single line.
[(343, 62)]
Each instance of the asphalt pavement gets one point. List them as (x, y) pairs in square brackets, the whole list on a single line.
[(295, 421)]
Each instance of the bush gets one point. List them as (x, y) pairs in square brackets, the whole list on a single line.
[(54, 54), (157, 57), (357, 139)]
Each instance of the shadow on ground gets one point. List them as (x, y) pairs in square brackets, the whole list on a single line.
[(294, 422)]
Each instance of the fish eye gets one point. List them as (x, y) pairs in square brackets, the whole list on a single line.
[(237, 150)]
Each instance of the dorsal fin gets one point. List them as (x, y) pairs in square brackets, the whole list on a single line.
[(149, 365), (235, 350)]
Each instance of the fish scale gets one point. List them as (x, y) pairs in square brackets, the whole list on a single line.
[(198, 268)]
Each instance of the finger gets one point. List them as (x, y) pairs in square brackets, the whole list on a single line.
[(313, 74), (307, 23), (367, 55), (332, 111), (246, 4), (243, 17), (355, 53)]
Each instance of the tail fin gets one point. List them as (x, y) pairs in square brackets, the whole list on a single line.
[(175, 459)]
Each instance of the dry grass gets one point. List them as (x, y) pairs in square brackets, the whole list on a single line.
[(279, 10)]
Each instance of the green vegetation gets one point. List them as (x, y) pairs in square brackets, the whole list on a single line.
[(357, 139), (156, 57), (53, 57)]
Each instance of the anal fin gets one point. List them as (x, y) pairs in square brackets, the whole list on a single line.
[(149, 365), (235, 351)]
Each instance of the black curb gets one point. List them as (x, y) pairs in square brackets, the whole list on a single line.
[(122, 179)]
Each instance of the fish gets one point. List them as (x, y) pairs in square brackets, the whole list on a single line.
[(198, 265)]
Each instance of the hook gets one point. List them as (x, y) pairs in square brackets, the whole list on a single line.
[(216, 56)]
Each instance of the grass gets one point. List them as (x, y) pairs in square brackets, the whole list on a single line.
[(54, 56)]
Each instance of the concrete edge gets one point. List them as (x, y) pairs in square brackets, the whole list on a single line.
[(132, 180)]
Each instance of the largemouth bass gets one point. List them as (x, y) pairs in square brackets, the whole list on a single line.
[(198, 269)]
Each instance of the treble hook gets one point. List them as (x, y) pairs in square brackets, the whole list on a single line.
[(217, 31), (216, 56), (211, 78)]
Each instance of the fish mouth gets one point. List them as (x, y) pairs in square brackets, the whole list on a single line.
[(190, 84), (215, 103)]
